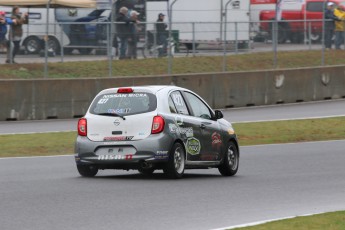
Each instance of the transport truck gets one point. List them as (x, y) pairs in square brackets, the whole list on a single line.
[(203, 21), (295, 24)]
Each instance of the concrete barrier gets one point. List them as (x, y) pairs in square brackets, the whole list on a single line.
[(70, 98)]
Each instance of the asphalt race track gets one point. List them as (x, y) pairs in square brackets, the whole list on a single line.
[(248, 114), (274, 181)]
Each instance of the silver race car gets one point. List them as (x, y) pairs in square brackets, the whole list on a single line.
[(154, 127)]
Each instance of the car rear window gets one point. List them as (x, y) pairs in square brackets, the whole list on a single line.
[(124, 103)]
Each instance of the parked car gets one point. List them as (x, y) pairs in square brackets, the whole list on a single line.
[(90, 33), (154, 127)]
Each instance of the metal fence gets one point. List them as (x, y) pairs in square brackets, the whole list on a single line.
[(99, 41)]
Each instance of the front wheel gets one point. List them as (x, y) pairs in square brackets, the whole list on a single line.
[(87, 170), (230, 162), (175, 167)]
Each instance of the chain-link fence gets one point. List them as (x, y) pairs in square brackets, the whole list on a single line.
[(98, 40)]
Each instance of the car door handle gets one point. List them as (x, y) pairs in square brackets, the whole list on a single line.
[(204, 124)]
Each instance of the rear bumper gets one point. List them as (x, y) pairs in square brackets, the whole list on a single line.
[(154, 149)]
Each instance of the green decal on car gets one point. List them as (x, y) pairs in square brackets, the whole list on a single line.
[(193, 146)]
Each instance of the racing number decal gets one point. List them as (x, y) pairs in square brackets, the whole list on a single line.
[(103, 101), (178, 100)]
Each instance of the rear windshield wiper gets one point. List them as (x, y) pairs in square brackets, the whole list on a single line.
[(112, 114)]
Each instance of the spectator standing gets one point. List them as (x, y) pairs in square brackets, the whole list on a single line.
[(161, 29), (329, 24), (16, 32), (3, 28), (339, 28), (133, 38), (123, 30)]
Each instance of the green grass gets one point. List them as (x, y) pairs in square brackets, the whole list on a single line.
[(40, 144), (327, 221), (290, 131), (159, 66), (45, 144)]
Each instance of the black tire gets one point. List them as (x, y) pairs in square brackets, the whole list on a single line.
[(315, 37), (33, 45), (54, 45), (87, 170), (230, 162), (147, 172), (174, 169)]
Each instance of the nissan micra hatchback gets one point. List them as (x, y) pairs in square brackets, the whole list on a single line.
[(154, 127)]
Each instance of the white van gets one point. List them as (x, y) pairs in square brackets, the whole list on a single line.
[(35, 30)]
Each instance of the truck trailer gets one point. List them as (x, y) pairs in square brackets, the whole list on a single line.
[(203, 22)]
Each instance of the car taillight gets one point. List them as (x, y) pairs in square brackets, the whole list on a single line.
[(157, 124), (82, 127), (125, 90)]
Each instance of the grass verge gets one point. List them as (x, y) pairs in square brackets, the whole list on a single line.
[(327, 221), (290, 131), (45, 144), (181, 65), (40, 144)]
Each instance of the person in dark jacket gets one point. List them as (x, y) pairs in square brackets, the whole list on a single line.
[(3, 28), (16, 32), (162, 35), (330, 18), (123, 30), (133, 37)]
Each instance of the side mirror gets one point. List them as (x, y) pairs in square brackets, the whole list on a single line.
[(218, 114)]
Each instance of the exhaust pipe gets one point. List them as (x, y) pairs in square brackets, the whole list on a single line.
[(146, 165)]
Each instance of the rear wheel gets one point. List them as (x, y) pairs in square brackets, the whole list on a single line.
[(175, 167), (87, 170), (230, 162), (315, 37), (54, 45), (32, 45)]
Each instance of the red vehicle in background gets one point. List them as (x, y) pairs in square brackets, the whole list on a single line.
[(294, 24)]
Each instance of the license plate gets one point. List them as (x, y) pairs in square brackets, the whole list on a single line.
[(122, 151)]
